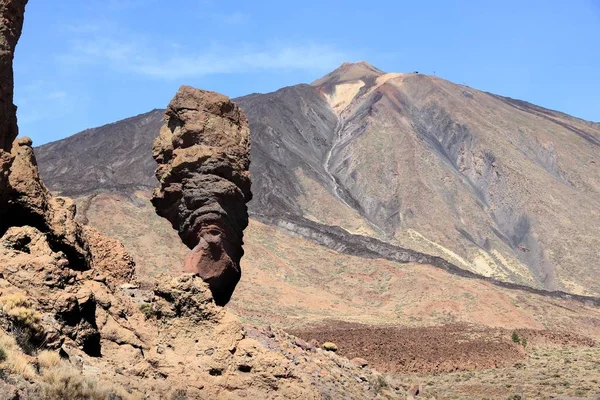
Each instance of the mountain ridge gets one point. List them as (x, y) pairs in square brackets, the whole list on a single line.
[(361, 149)]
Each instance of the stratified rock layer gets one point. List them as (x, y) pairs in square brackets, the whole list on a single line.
[(202, 153)]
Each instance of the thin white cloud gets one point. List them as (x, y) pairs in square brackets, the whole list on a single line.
[(170, 61), (40, 100), (236, 18)]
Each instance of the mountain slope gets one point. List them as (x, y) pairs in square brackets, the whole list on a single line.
[(496, 186), (116, 156)]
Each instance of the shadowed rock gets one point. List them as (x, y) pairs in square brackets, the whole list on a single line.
[(203, 158), (43, 251), (11, 15), (11, 23)]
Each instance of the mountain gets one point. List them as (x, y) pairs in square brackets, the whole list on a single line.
[(495, 186), (116, 156)]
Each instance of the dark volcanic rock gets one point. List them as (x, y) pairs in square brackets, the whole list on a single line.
[(114, 157), (203, 158)]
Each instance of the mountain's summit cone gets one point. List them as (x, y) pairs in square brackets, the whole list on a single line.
[(361, 70)]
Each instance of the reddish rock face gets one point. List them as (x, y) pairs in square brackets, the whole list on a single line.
[(203, 159)]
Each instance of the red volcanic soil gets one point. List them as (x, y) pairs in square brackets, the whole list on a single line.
[(444, 348)]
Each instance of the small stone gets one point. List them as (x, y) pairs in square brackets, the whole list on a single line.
[(303, 344), (416, 389), (128, 286), (359, 362), (269, 332)]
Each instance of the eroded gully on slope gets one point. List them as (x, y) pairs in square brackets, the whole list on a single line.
[(338, 189)]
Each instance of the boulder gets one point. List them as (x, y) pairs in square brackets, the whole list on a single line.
[(203, 156), (329, 346)]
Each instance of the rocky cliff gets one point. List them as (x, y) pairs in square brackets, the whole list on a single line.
[(12, 23)]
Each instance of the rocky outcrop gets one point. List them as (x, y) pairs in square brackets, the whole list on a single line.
[(203, 158), (30, 204), (11, 23)]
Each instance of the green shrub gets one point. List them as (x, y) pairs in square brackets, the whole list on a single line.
[(147, 310), (515, 337)]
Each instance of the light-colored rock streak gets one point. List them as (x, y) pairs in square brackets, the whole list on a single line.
[(338, 190), (337, 137)]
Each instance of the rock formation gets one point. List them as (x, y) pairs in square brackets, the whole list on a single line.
[(203, 156), (11, 15)]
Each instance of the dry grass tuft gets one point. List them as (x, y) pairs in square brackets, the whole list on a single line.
[(57, 377), (15, 361), (19, 309), (48, 359), (60, 380)]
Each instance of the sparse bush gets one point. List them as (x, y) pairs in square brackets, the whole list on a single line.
[(25, 321), (3, 354), (48, 359), (62, 381), (380, 384), (149, 310), (59, 379), (179, 394), (515, 337), (66, 383), (524, 342), (15, 362), (18, 308)]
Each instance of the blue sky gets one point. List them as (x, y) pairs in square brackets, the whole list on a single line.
[(82, 64)]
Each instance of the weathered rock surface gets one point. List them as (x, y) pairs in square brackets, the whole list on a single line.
[(11, 23), (11, 17), (203, 156), (162, 342)]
